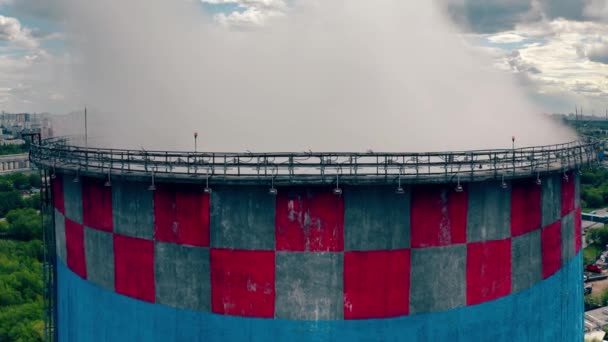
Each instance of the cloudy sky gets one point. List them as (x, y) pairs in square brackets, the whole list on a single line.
[(558, 49)]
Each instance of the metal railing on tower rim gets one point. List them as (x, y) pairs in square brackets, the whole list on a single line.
[(316, 168)]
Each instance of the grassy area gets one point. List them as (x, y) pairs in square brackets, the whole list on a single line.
[(591, 253)]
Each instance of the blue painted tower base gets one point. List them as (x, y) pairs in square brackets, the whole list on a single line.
[(549, 311)]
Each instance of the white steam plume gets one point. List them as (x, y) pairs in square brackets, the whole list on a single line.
[(332, 75)]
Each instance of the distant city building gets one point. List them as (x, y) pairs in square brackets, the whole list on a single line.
[(13, 123)]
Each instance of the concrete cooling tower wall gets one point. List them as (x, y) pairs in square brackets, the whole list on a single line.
[(492, 262)]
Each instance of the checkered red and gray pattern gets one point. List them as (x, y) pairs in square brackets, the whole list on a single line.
[(308, 254)]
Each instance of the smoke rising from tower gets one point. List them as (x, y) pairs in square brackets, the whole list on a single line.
[(328, 76)]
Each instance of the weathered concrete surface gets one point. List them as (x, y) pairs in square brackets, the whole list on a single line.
[(89, 313), (57, 191), (99, 256), (243, 282), (577, 190), (182, 276), (243, 218), (309, 219), (181, 215), (489, 212), (74, 244), (438, 216), (568, 193), (72, 196), (134, 267), (527, 266), (488, 270), (551, 199), (96, 204), (578, 231), (526, 206), (568, 238), (438, 278), (551, 241), (309, 286), (376, 284), (132, 208), (376, 218), (60, 236)]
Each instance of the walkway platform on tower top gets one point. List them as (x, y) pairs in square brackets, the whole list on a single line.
[(316, 168)]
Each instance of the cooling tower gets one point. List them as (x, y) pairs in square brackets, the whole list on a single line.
[(453, 246)]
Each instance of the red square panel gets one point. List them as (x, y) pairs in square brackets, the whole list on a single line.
[(96, 204), (74, 242), (488, 270), (525, 207), (242, 282), (376, 284), (552, 248), (308, 220), (438, 216), (181, 216), (57, 185), (568, 193), (577, 230), (134, 267)]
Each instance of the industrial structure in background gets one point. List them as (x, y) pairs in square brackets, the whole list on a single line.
[(167, 246), (14, 163)]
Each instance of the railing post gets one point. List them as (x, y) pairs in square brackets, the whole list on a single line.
[(445, 166), (146, 161), (472, 164)]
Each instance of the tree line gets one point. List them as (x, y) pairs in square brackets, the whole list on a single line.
[(21, 257), (594, 188)]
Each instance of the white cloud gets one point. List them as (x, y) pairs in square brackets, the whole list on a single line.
[(33, 82), (250, 17), (13, 32), (506, 38), (570, 62), (31, 78), (563, 62), (252, 12), (267, 4)]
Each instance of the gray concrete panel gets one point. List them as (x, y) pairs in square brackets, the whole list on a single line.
[(132, 208), (376, 218), (99, 256), (182, 276), (551, 199), (568, 245), (243, 218), (309, 286), (527, 261), (72, 197), (60, 237), (438, 278), (489, 212)]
